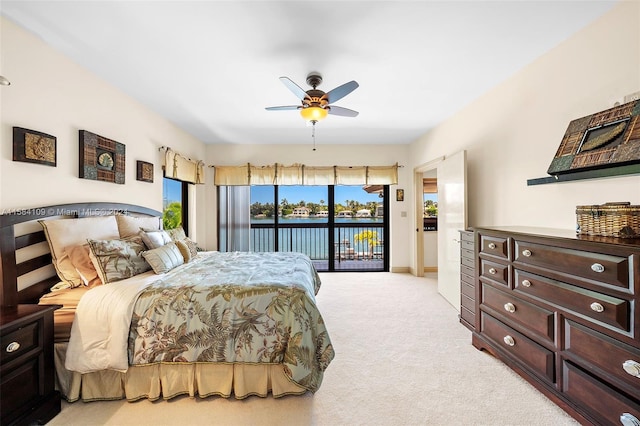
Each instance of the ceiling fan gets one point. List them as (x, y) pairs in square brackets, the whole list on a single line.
[(316, 104)]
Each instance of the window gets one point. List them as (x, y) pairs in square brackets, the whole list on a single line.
[(174, 204), (338, 227)]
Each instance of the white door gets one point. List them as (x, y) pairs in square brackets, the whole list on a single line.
[(452, 217)]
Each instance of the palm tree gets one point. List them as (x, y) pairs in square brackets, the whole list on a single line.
[(369, 237)]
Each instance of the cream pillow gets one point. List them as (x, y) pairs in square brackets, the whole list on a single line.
[(165, 258), (177, 234), (154, 238), (129, 226), (62, 233), (116, 260)]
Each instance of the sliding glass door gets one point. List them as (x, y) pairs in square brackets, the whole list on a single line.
[(339, 227)]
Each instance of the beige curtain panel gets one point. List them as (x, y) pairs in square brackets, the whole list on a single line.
[(181, 168), (299, 174)]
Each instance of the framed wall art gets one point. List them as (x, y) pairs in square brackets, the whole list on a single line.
[(606, 139), (144, 171), (30, 146), (101, 158), (399, 194)]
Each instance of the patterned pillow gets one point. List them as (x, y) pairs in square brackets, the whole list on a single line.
[(154, 238), (116, 260), (177, 234), (187, 248), (165, 258)]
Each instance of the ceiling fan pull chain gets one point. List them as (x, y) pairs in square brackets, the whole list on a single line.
[(313, 134)]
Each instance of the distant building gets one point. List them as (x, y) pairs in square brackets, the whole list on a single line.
[(363, 213), (345, 213), (323, 213), (300, 212), (379, 210)]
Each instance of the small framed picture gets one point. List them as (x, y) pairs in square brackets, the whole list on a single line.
[(144, 171), (399, 194), (30, 146)]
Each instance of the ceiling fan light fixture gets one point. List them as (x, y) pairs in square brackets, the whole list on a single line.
[(313, 113)]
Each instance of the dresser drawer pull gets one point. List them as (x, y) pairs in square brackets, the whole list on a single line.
[(596, 267), (628, 419), (12, 347), (492, 271), (510, 307), (526, 283), (492, 246), (509, 340), (632, 367), (597, 307), (526, 253)]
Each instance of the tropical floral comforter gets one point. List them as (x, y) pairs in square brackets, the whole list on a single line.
[(235, 308)]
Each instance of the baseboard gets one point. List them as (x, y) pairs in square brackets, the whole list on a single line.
[(431, 269), (400, 269)]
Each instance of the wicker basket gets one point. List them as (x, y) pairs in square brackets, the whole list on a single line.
[(620, 220)]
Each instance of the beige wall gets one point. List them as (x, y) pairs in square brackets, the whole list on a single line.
[(51, 94), (513, 131)]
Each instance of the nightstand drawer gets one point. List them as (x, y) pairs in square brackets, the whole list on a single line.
[(20, 341), (19, 387)]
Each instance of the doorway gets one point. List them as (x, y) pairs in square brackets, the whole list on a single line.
[(452, 217)]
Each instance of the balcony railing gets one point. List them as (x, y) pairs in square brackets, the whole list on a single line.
[(312, 239)]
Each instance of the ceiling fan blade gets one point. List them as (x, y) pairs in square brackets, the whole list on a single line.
[(345, 112), (281, 108), (297, 90), (341, 91)]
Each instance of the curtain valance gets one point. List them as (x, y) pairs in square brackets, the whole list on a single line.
[(299, 174), (179, 167)]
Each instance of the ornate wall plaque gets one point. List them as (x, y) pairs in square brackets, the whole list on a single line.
[(30, 146), (101, 158), (144, 171), (606, 139)]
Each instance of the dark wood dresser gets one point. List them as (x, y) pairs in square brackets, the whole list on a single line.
[(467, 280), (27, 393), (562, 311)]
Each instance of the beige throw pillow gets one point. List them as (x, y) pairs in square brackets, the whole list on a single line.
[(187, 248), (129, 226), (79, 256), (154, 238), (165, 258), (62, 233)]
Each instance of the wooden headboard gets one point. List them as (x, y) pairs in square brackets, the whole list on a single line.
[(13, 267)]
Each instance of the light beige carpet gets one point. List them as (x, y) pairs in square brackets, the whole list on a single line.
[(402, 358)]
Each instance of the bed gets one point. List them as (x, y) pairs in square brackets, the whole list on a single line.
[(149, 316)]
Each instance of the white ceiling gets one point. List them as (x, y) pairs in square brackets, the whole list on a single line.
[(212, 67)]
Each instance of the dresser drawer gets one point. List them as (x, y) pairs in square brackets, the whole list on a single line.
[(495, 272), (614, 358), (468, 316), (20, 341), (538, 320), (587, 304), (601, 402), (466, 236), (465, 270), (468, 262), (613, 270), (537, 358), (494, 246), (467, 245), (468, 289)]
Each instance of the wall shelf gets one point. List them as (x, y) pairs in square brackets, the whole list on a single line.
[(630, 169)]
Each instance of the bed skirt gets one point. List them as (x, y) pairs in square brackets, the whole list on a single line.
[(168, 380)]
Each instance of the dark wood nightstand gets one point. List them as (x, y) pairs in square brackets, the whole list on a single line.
[(27, 376)]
